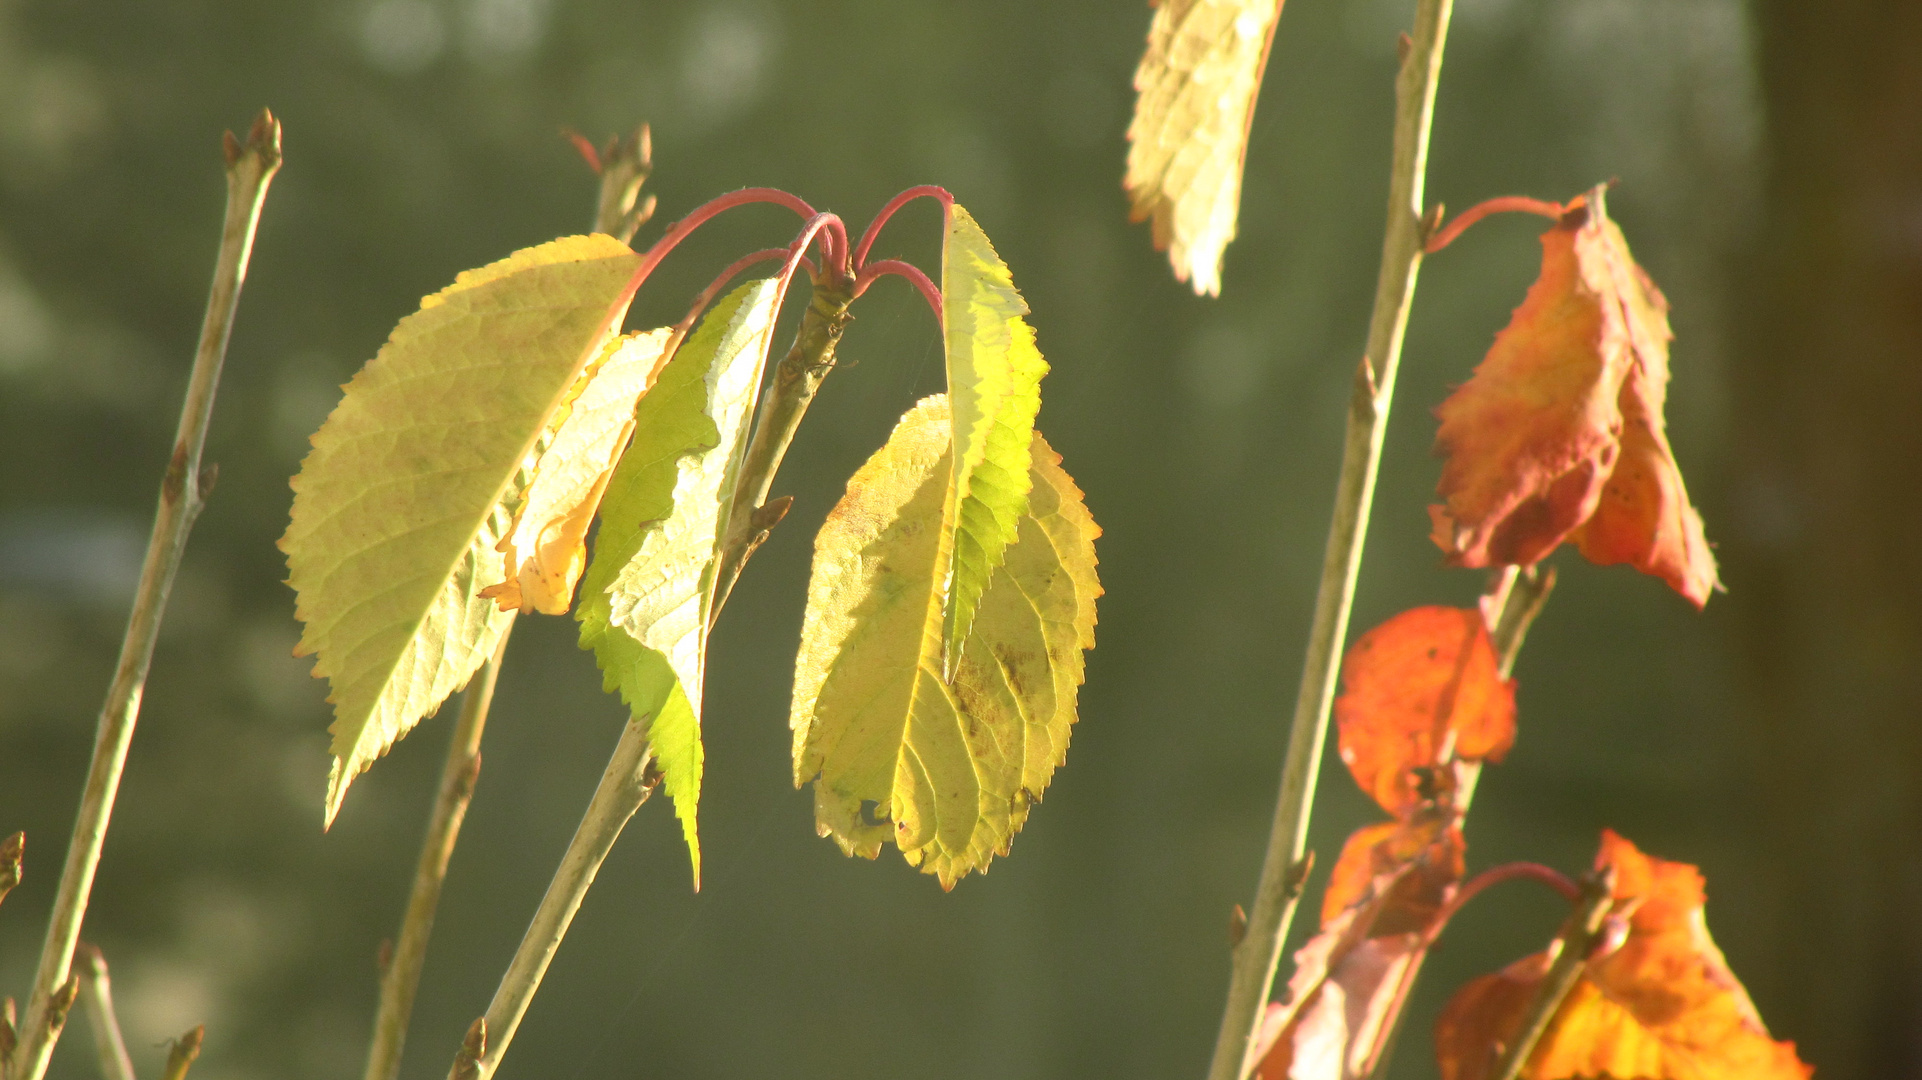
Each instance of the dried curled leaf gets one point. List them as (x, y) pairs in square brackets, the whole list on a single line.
[(994, 387), (547, 547), (1663, 1006), (399, 507), (1420, 691), (1350, 980), (1196, 90), (946, 769), (1560, 435), (649, 593)]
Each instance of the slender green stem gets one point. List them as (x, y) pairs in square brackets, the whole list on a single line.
[(96, 996), (1279, 888), (1569, 954), (797, 379), (629, 779), (250, 169), (401, 978)]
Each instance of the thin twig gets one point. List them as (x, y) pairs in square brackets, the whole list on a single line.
[(401, 977), (629, 779), (1279, 888), (1569, 954), (1527, 590), (250, 169), (96, 996), (797, 378), (624, 166), (183, 1054)]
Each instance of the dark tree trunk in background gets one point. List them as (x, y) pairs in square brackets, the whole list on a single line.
[(1825, 560)]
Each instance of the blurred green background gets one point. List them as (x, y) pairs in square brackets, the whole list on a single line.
[(1770, 166)]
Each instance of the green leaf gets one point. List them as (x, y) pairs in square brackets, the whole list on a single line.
[(946, 769), (648, 597), (994, 382), (399, 507)]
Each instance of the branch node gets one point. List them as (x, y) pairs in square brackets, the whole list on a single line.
[(1298, 875), (13, 852), (185, 1050), (1237, 927)]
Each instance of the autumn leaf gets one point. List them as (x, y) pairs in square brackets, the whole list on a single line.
[(399, 508), (1351, 979), (1662, 1006), (1419, 691), (546, 548), (946, 770), (1560, 434), (1196, 90), (994, 384), (648, 597)]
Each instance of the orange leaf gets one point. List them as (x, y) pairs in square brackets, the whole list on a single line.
[(1350, 979), (1419, 691), (1420, 858), (1561, 425), (1664, 1006)]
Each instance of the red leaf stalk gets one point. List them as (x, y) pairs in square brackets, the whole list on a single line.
[(1507, 204)]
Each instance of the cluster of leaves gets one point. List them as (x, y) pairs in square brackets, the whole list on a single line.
[(953, 589), (1423, 706), (1558, 436)]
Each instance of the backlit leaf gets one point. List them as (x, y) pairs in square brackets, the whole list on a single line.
[(399, 507), (1418, 691), (1196, 90), (547, 546), (994, 385), (945, 769), (1559, 434), (649, 597), (1351, 979), (1663, 1006)]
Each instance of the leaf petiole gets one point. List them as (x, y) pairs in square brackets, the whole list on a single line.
[(1507, 204)]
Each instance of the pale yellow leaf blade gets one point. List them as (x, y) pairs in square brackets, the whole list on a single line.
[(664, 596), (547, 547), (1196, 90), (946, 770), (398, 508)]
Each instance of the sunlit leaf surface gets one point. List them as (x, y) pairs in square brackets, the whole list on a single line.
[(648, 597), (945, 769), (399, 507), (1196, 90)]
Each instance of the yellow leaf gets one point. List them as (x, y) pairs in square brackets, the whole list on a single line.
[(1196, 89), (547, 547), (399, 507), (945, 769), (994, 382)]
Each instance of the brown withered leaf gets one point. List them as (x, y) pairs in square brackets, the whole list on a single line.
[(1560, 434), (1196, 90), (1350, 979), (1663, 1006), (1421, 691)]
